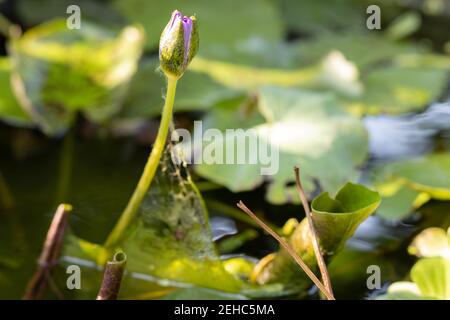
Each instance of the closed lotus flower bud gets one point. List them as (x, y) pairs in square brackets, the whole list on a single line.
[(178, 44)]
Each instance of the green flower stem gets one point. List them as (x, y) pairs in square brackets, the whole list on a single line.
[(149, 170)]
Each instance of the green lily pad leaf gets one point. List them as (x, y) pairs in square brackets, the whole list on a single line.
[(404, 25), (33, 12), (10, 109), (354, 48), (398, 205), (196, 92), (251, 19), (432, 277), (61, 71), (403, 290), (429, 174), (396, 90), (337, 219), (314, 17), (308, 129), (170, 241), (431, 242)]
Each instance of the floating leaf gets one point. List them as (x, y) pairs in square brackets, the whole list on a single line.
[(432, 277), (354, 48), (428, 174), (251, 19), (397, 90), (312, 16), (10, 109), (309, 129), (398, 205), (403, 290), (404, 25), (431, 242), (408, 184), (61, 71), (196, 92), (32, 12)]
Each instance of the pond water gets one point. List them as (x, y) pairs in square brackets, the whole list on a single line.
[(97, 175)]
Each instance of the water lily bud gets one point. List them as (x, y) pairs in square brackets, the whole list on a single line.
[(178, 44)]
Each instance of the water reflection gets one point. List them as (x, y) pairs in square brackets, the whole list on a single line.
[(404, 136)]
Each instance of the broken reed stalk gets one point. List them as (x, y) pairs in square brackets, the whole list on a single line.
[(315, 239), (289, 249), (50, 254), (112, 277)]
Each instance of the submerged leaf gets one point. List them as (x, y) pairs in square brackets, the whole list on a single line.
[(170, 240)]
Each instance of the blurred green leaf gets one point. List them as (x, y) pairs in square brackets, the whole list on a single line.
[(312, 16), (397, 90), (408, 184), (429, 174), (399, 205), (10, 109), (431, 242), (34, 12), (196, 92), (249, 19), (310, 129), (432, 277), (354, 47), (404, 25), (60, 71)]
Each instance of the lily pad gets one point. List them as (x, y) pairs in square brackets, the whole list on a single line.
[(315, 17), (10, 109), (430, 281), (197, 91), (250, 19), (432, 276), (59, 71), (413, 182), (308, 129), (399, 205), (396, 90), (431, 242)]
